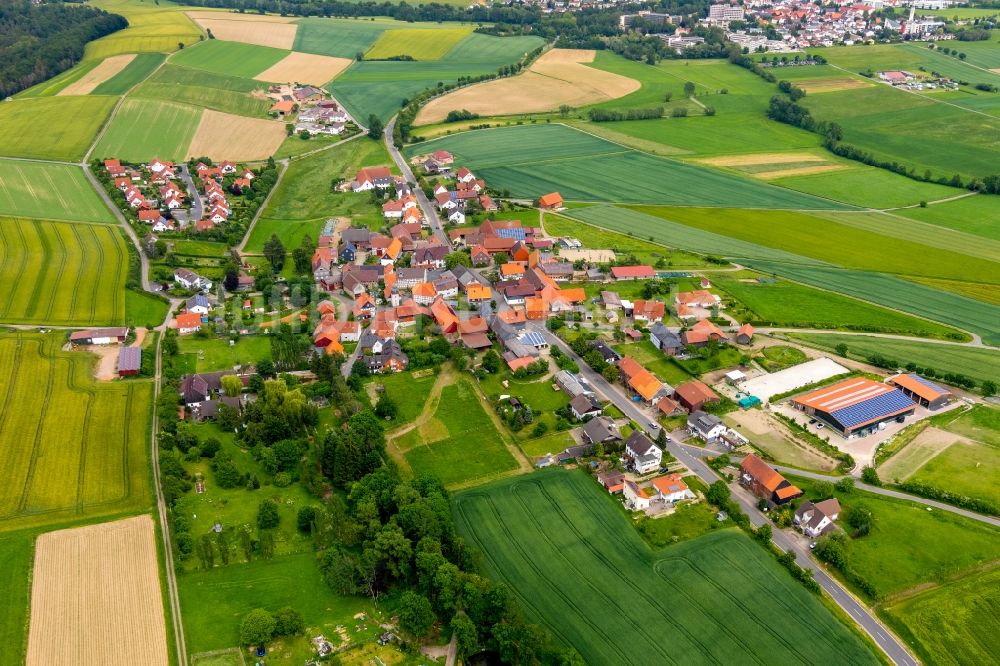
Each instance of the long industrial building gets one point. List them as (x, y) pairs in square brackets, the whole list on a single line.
[(855, 405)]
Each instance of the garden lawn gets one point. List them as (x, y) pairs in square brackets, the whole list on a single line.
[(554, 442), (229, 58), (576, 566), (136, 71), (418, 43), (407, 392), (531, 160), (229, 94), (217, 354), (70, 125), (688, 521), (49, 191), (654, 360), (82, 450), (979, 364), (146, 128), (61, 273), (460, 443)]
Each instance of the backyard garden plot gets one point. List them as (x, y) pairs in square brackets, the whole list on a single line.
[(418, 43), (145, 128), (61, 273), (231, 58), (152, 28), (305, 68), (229, 94), (261, 30), (560, 76), (534, 159), (96, 590), (49, 191), (225, 136), (141, 66), (717, 598), (107, 69), (70, 126)]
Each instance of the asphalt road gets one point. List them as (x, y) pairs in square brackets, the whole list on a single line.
[(197, 205), (891, 645), (430, 212)]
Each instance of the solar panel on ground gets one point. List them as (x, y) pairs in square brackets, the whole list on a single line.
[(880, 406)]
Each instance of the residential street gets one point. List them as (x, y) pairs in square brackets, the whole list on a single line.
[(197, 206), (430, 212)]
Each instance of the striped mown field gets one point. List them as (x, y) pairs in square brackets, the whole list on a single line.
[(69, 447), (61, 273), (49, 191)]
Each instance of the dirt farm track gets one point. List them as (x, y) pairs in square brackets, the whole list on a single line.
[(96, 597)]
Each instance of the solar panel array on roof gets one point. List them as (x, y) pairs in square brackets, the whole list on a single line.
[(928, 383), (129, 358), (532, 338), (516, 234), (877, 407)]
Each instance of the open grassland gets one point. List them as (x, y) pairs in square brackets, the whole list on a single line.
[(577, 566), (141, 66), (867, 186), (976, 215), (17, 551), (305, 68), (952, 624), (961, 466), (979, 364), (341, 38), (108, 68), (61, 273), (835, 243), (49, 191), (81, 450), (145, 128), (153, 27), (786, 304), (262, 30), (97, 589), (70, 125), (418, 43), (214, 601), (982, 423), (559, 76), (218, 92), (230, 58), (531, 160), (225, 136), (290, 232), (459, 443)]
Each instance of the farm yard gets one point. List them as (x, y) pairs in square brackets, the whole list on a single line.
[(83, 452), (625, 615), (61, 273), (70, 123), (96, 590), (144, 128), (49, 191)]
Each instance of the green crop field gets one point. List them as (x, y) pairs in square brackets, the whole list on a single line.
[(136, 71), (490, 51), (145, 128), (954, 623), (975, 215), (81, 450), (867, 186), (979, 364), (61, 273), (577, 566), (51, 128), (17, 550), (342, 38), (230, 58), (153, 27), (49, 191), (50, 87), (534, 159), (459, 443), (982, 54), (229, 94), (418, 43)]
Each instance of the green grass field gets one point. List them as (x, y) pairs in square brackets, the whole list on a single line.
[(217, 354), (460, 442), (70, 125), (229, 94), (955, 623), (867, 186), (966, 469), (534, 159), (52, 191), (229, 58), (408, 393), (982, 423), (61, 273), (980, 364), (82, 451), (142, 309), (17, 551), (153, 27), (972, 215), (575, 565), (136, 71), (418, 43), (342, 38), (146, 128)]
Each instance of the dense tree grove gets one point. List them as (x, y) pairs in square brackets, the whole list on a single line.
[(40, 41)]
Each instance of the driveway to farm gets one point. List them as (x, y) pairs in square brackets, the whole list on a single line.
[(425, 205), (889, 644)]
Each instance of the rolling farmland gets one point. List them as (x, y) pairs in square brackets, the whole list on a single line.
[(229, 94), (152, 28), (974, 215), (49, 191), (70, 126), (534, 159), (61, 273), (576, 565), (82, 451), (418, 43), (17, 550), (341, 38), (143, 129), (229, 58), (142, 66)]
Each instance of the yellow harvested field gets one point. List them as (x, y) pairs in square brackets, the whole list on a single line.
[(558, 77), (305, 68), (761, 158), (95, 597), (832, 84), (95, 77), (275, 31), (226, 136), (798, 171)]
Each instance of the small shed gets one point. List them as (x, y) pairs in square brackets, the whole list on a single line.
[(735, 376), (129, 361)]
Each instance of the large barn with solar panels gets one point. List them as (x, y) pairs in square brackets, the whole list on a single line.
[(855, 405)]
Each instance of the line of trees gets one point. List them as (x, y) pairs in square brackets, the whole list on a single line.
[(612, 115)]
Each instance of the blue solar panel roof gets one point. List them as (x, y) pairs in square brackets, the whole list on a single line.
[(872, 409), (516, 234), (928, 383), (532, 338)]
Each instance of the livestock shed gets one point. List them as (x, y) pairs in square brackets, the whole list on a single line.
[(129, 361), (922, 391), (856, 405), (99, 336)]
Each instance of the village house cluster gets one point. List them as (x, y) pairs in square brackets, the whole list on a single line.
[(314, 112)]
